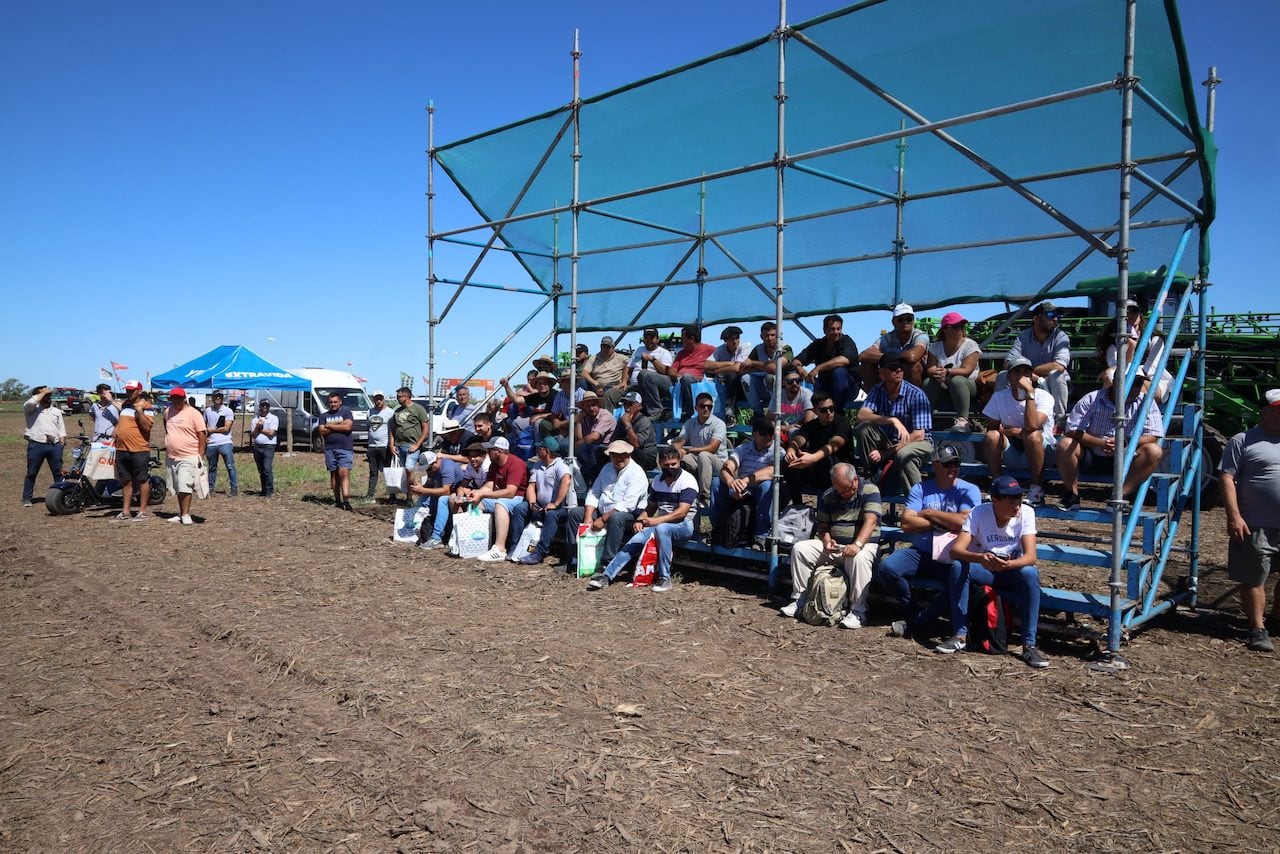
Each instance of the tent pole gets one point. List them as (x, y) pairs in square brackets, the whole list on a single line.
[(576, 53), (702, 249), (899, 204), (555, 284), (780, 166), (431, 265)]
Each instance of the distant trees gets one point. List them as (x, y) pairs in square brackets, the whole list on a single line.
[(13, 389)]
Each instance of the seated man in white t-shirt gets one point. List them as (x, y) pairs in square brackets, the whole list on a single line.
[(1022, 433), (998, 541)]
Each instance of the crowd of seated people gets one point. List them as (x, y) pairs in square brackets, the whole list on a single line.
[(857, 432)]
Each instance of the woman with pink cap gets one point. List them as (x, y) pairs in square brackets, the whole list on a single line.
[(951, 370)]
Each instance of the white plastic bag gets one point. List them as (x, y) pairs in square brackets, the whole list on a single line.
[(396, 478), (408, 521)]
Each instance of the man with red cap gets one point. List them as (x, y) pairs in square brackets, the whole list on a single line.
[(185, 438)]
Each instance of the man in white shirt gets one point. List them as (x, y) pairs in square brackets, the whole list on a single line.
[(220, 420), (618, 492), (1022, 433), (106, 413), (264, 429), (645, 358), (45, 433)]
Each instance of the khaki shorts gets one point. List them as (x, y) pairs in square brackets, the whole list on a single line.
[(1249, 563), (180, 474)]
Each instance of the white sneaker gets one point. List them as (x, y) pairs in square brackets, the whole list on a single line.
[(962, 425), (851, 621), (789, 610), (187, 520), (1035, 495), (494, 554)]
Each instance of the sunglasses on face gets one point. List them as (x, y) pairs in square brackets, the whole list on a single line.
[(825, 409), (792, 381), (897, 367), (704, 406), (1051, 315)]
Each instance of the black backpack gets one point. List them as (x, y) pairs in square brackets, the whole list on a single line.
[(989, 620), (736, 525)]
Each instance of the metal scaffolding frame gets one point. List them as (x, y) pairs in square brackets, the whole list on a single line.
[(1111, 239)]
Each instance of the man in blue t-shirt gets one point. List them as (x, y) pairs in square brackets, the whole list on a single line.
[(335, 427), (935, 512), (432, 482)]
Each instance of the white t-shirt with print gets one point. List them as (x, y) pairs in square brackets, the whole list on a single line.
[(989, 536)]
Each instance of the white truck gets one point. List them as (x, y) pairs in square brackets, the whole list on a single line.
[(307, 406)]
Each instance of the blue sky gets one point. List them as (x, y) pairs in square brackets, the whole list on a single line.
[(179, 176)]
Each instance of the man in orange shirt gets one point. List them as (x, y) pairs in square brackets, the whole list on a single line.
[(133, 451), (185, 435)]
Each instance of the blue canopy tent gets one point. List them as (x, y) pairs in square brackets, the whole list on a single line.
[(233, 366)]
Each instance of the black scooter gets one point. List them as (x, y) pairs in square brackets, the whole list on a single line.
[(76, 492)]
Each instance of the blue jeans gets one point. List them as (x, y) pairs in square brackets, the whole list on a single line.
[(38, 453), (591, 459), (407, 459), (1019, 585), (896, 571), (264, 457), (227, 453), (758, 393), (615, 530), (841, 384), (762, 492), (669, 535), (552, 521)]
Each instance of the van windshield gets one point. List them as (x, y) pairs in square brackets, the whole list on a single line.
[(352, 398)]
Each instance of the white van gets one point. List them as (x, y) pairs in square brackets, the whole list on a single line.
[(307, 406)]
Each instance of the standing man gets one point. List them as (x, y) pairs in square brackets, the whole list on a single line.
[(902, 411), (703, 446), (1049, 350), (219, 420), (378, 451), (185, 439), (263, 436), (409, 423), (603, 372), (636, 429), (666, 518), (935, 511), (903, 339), (106, 413), (1251, 494), (759, 367), (335, 427), (848, 533), (1021, 432), (724, 366), (45, 434), (133, 451), (834, 357)]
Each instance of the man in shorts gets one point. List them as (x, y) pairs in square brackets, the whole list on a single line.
[(1251, 494), (133, 451), (501, 492), (185, 438), (335, 427)]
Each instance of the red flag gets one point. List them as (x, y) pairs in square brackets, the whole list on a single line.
[(116, 366), (362, 380)]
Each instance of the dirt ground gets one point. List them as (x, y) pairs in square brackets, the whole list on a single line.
[(281, 676)]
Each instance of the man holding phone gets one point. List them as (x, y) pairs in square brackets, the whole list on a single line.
[(219, 420)]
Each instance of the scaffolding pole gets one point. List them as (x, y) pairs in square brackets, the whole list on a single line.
[(576, 106), (780, 169), (431, 265)]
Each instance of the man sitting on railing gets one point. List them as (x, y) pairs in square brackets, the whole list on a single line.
[(834, 357), (603, 372), (904, 340), (1049, 350), (1090, 440), (724, 366)]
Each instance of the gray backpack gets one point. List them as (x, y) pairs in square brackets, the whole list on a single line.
[(794, 524), (826, 599)]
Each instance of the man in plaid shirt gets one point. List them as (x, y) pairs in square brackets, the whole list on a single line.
[(901, 410)]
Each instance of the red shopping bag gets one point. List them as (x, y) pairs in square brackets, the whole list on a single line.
[(647, 565)]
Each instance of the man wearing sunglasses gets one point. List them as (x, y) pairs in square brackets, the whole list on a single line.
[(1048, 349), (796, 403), (703, 446), (813, 449), (901, 410), (935, 511)]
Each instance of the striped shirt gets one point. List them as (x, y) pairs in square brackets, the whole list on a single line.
[(911, 407), (842, 518), (1093, 414), (749, 459)]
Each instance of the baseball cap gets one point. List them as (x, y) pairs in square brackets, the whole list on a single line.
[(131, 385), (631, 397), (1273, 397), (1006, 485), (947, 454), (650, 330), (1132, 303), (889, 360), (901, 309), (1017, 362), (426, 458), (378, 393), (1046, 307), (551, 443), (617, 446), (606, 341), (498, 443), (583, 348), (449, 425), (730, 332), (177, 391), (953, 318)]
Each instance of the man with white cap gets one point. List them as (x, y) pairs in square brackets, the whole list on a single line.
[(1049, 350), (454, 438), (611, 504), (45, 434), (905, 340), (834, 357), (185, 438), (636, 429), (1021, 433), (508, 477), (378, 451), (1089, 443), (434, 479), (1251, 494)]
